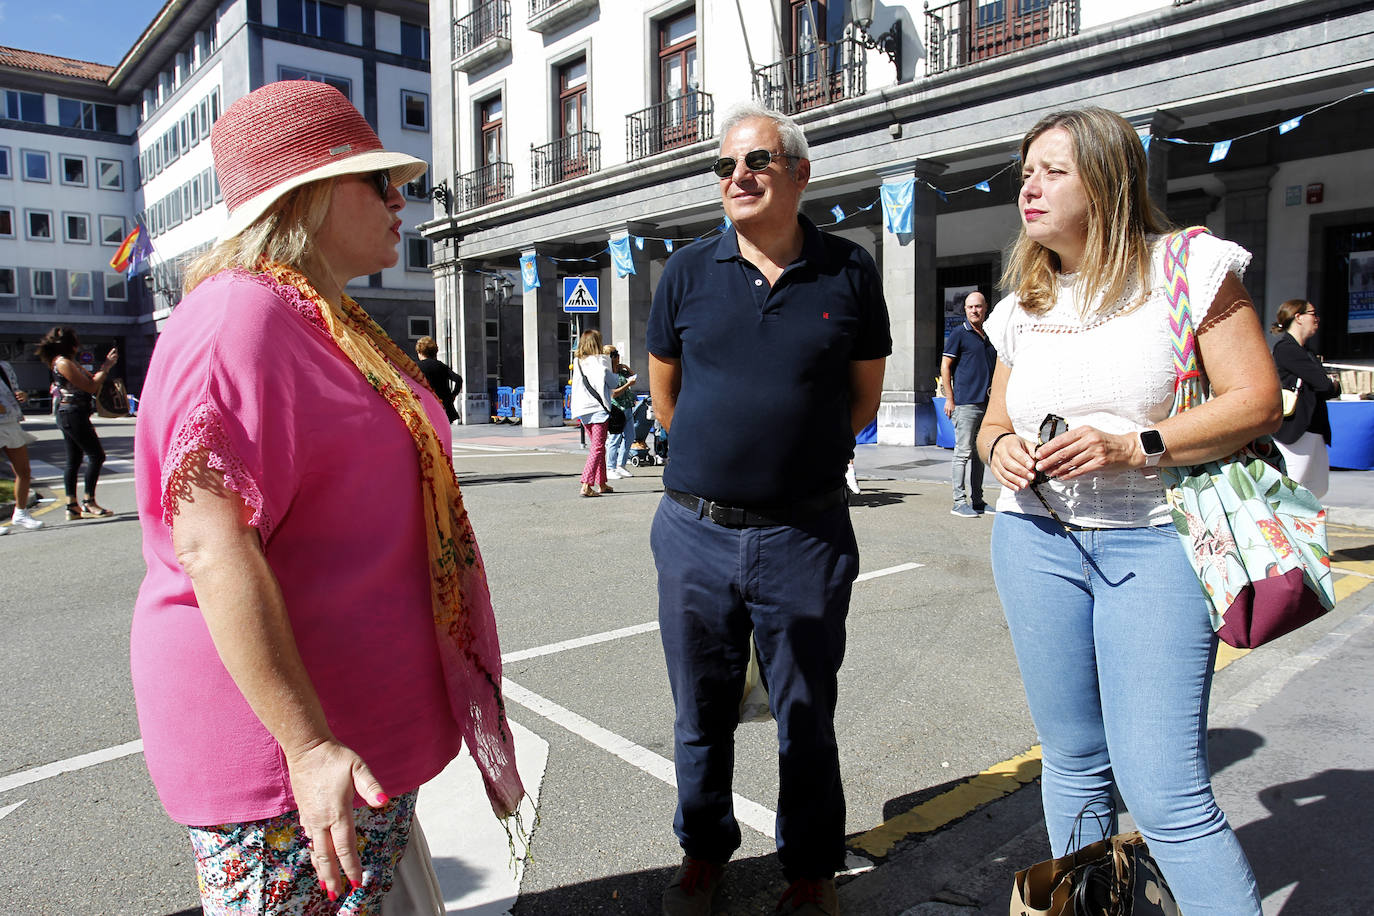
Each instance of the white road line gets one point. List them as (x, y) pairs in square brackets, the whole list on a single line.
[(747, 812), (1350, 572), (457, 455), (49, 770), (637, 629), (579, 642), (10, 808)]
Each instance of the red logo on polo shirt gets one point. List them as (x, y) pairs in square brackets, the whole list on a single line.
[(825, 314)]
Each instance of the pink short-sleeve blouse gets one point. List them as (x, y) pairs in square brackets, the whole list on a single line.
[(331, 476)]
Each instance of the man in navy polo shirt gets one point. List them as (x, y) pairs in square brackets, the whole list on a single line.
[(766, 355), (970, 358)]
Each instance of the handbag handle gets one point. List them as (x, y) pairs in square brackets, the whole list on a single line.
[(1188, 390)]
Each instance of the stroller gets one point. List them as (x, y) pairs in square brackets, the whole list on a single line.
[(651, 439)]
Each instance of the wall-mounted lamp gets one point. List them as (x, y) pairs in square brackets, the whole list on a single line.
[(441, 193), (889, 42)]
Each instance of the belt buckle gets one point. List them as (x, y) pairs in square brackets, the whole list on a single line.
[(725, 516)]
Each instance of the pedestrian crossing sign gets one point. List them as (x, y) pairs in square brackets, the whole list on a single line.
[(580, 294)]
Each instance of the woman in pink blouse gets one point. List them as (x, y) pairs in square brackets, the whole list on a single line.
[(314, 638)]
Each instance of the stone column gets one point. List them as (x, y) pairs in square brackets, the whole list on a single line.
[(905, 414), (469, 333), (1156, 125), (543, 402), (630, 300), (1247, 224)]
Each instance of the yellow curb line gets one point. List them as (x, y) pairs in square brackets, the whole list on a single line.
[(1002, 779)]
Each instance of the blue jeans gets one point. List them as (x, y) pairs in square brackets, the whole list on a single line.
[(620, 446), (967, 418), (791, 587), (1116, 652)]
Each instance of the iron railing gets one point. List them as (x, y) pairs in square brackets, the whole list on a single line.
[(486, 22), (567, 157), (487, 185), (677, 122), (819, 75), (962, 32)]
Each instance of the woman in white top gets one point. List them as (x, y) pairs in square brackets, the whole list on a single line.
[(592, 381), (1110, 627)]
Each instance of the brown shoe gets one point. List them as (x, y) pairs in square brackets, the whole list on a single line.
[(693, 889), (606, 488), (810, 896)]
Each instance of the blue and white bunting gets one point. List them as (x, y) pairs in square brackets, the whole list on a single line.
[(838, 212), (621, 259), (983, 186), (1219, 151), (529, 272), (898, 202), (1288, 125)]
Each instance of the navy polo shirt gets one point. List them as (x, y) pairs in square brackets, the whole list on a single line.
[(763, 417), (974, 359)]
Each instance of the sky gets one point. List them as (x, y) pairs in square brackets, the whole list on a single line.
[(102, 31)]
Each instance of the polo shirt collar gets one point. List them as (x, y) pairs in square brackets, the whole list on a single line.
[(813, 248)]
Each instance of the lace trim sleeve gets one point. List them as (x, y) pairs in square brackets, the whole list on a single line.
[(203, 431)]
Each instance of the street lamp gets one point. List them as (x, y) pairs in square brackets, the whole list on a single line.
[(889, 42), (496, 291)]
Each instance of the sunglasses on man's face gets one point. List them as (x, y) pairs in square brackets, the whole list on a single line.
[(754, 160), (381, 181)]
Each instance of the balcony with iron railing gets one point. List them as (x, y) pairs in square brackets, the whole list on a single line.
[(680, 121), (488, 185), (820, 75), (481, 36), (549, 15), (573, 156), (963, 32)]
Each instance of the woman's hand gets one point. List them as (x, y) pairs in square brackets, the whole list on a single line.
[(110, 359), (1011, 462), (324, 778), (1087, 450)]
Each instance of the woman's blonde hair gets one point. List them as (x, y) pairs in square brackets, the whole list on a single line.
[(285, 234), (589, 344), (1113, 169)]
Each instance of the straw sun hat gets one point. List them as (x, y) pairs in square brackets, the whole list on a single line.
[(288, 134)]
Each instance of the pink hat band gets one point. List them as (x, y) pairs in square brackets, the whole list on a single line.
[(287, 134)]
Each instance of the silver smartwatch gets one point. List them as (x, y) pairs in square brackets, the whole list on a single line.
[(1152, 444)]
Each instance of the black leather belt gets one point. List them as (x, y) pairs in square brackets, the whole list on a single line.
[(758, 516)]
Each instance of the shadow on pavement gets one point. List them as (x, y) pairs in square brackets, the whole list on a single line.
[(872, 498)]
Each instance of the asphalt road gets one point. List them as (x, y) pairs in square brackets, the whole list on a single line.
[(930, 697)]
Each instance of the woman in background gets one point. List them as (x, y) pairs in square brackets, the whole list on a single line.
[(14, 439), (1304, 436), (76, 403), (620, 445), (592, 383)]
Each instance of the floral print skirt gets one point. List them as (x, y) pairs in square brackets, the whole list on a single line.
[(263, 867)]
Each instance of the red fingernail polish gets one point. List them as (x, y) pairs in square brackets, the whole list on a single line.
[(323, 889), (382, 798), (353, 884), (333, 896)]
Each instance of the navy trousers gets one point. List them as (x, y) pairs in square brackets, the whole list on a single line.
[(790, 585)]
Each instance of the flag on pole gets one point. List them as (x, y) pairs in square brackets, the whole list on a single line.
[(135, 249), (529, 272), (621, 258)]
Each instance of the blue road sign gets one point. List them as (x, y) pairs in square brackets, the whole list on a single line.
[(580, 294)]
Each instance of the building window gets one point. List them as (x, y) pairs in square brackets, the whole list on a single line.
[(43, 283), (214, 105), (116, 288), (338, 82), (24, 106), (418, 326), (111, 230), (492, 133), (203, 112), (572, 97), (39, 224), (193, 127), (414, 110), (5, 171), (76, 227), (87, 115), (9, 282), (35, 166), (415, 40), (677, 56), (79, 284), (109, 174), (6, 222), (73, 169), (417, 253), (313, 17), (417, 189)]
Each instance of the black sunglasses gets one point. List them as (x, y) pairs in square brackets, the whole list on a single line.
[(754, 160), (381, 181), (1050, 427)]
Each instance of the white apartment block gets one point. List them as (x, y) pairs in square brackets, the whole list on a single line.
[(561, 124), (131, 141)]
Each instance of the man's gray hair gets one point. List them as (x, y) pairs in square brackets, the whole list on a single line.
[(793, 140)]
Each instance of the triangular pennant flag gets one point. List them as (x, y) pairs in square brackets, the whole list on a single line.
[(668, 244), (941, 194), (1219, 151), (983, 186), (639, 241), (1145, 141)]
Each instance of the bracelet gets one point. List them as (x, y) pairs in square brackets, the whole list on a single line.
[(992, 448)]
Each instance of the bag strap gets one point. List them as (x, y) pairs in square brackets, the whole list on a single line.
[(594, 393), (1188, 390)]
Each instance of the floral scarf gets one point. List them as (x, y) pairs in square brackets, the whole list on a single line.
[(463, 615)]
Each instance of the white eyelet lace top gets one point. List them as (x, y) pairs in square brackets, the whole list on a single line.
[(1112, 371)]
